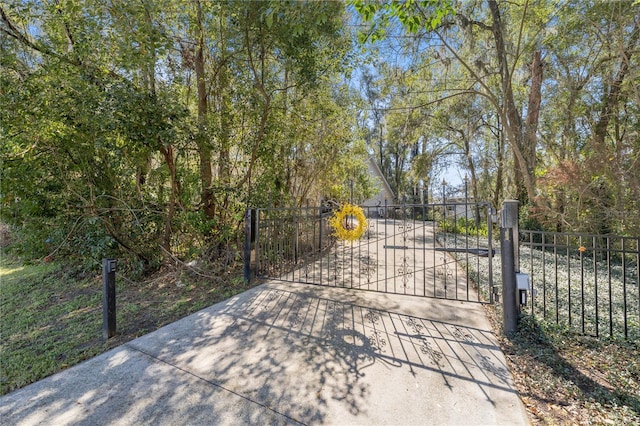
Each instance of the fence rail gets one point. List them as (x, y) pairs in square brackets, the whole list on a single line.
[(415, 249), (589, 283)]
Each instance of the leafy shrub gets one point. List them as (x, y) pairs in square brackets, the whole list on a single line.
[(464, 226)]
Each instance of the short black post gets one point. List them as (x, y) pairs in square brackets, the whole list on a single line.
[(509, 248), (109, 298), (320, 233), (247, 246)]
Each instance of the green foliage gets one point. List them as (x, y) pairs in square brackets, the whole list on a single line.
[(107, 150), (413, 15), (463, 226)]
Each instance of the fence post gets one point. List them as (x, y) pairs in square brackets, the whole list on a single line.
[(109, 298), (509, 250), (247, 245)]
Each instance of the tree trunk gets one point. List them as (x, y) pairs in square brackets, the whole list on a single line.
[(169, 159), (533, 112), (611, 99), (204, 149), (497, 196), (525, 186)]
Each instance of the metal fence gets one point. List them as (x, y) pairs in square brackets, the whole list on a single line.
[(427, 250), (287, 236), (588, 283)]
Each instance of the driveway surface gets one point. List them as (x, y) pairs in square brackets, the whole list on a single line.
[(286, 353)]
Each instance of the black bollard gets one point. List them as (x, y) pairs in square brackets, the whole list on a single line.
[(109, 298), (248, 231)]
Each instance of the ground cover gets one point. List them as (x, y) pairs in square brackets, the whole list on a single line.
[(52, 316), (562, 375), (592, 298), (566, 378)]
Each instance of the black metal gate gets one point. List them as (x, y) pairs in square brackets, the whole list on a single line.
[(430, 250)]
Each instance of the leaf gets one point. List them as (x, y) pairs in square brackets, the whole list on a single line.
[(269, 18)]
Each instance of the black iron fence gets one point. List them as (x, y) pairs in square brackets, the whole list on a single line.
[(285, 237), (425, 250), (588, 283)]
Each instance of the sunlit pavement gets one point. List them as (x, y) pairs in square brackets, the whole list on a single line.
[(291, 353)]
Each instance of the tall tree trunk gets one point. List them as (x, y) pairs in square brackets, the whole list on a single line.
[(474, 178), (224, 116), (170, 160), (204, 148), (533, 112), (525, 186), (611, 99)]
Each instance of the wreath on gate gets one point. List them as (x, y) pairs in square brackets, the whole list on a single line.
[(349, 223)]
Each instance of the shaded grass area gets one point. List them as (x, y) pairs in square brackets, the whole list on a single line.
[(567, 378), (52, 317)]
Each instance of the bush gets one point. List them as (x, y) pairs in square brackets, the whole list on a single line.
[(464, 226)]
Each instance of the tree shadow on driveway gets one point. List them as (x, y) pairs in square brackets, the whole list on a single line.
[(292, 353), (318, 355)]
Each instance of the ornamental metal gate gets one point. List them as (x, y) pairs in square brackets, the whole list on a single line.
[(431, 250)]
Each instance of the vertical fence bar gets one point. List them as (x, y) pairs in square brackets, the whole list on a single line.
[(580, 249), (424, 248), (433, 251), (257, 243), (263, 228), (544, 277), (490, 232), (295, 233), (386, 214), (320, 239), (415, 263), (247, 246), (638, 281), (274, 244), (568, 243), (360, 259), (595, 282), (555, 268), (610, 289), (444, 241), (532, 275), (275, 258), (455, 246), (624, 288), (478, 223), (466, 239), (395, 243)]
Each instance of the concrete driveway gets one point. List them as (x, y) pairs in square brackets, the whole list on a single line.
[(286, 353)]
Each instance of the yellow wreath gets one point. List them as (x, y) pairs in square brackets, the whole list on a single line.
[(349, 223)]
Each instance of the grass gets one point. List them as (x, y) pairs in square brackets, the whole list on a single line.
[(52, 317)]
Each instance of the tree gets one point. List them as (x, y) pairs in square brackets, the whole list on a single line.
[(426, 18), (146, 128)]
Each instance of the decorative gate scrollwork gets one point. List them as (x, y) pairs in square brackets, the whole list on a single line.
[(403, 249)]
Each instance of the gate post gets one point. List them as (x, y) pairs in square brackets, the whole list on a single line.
[(509, 257), (247, 245)]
